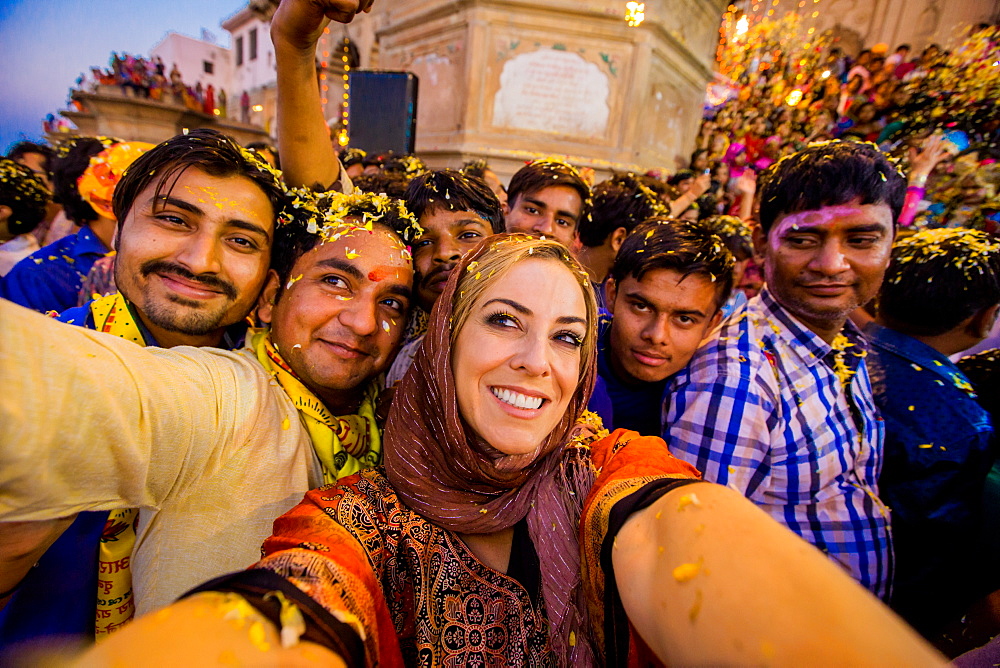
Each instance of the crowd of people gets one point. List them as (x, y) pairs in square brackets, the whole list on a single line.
[(776, 106), (711, 417), (147, 78)]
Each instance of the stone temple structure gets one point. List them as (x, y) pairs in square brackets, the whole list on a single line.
[(512, 80)]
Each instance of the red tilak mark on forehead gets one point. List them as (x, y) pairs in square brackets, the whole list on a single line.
[(379, 275)]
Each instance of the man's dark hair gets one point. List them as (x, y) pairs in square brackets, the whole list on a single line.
[(352, 156), (621, 201), (393, 184), (21, 148), (24, 194), (71, 161), (373, 160), (541, 174), (680, 175), (453, 191), (260, 146), (734, 232), (938, 278), (210, 151), (407, 164), (301, 228), (668, 243), (477, 168), (903, 46), (829, 174)]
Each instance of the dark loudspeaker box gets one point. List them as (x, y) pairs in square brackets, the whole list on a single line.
[(383, 111)]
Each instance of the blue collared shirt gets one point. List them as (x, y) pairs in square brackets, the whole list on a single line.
[(937, 457), (761, 409), (50, 278)]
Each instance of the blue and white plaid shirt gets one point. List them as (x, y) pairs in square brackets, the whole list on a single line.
[(762, 410)]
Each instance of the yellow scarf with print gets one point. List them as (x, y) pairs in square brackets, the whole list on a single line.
[(344, 444), (115, 603)]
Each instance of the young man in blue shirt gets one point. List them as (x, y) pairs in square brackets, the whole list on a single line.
[(941, 296), (665, 290)]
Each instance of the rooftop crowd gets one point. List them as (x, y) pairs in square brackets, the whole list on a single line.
[(147, 78), (361, 412)]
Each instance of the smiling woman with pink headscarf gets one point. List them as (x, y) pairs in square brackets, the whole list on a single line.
[(506, 528)]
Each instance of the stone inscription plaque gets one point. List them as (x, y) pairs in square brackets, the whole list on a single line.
[(552, 91)]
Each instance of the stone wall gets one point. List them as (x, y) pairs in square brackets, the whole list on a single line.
[(513, 80)]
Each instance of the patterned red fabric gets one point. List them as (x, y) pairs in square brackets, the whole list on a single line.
[(414, 591)]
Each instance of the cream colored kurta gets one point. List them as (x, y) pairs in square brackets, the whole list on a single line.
[(202, 440)]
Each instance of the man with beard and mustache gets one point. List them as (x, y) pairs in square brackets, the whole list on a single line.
[(455, 212), (196, 223)]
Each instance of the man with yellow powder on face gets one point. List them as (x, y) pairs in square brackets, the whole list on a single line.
[(195, 220), (203, 257), (210, 445)]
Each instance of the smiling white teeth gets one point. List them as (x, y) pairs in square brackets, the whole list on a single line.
[(515, 399)]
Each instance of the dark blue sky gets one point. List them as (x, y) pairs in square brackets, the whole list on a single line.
[(46, 44)]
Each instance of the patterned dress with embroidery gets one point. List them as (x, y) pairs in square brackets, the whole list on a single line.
[(372, 562)]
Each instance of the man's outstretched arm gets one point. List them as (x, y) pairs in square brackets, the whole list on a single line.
[(307, 156)]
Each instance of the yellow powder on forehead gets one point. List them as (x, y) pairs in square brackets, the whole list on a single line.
[(219, 199)]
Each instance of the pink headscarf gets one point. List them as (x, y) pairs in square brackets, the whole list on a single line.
[(445, 472)]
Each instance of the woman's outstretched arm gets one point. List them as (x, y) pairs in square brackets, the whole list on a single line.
[(206, 629), (708, 578)]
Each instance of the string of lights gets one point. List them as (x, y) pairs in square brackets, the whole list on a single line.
[(344, 136), (635, 13)]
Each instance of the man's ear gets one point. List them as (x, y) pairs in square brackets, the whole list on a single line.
[(982, 322), (714, 321), (265, 303), (610, 293), (759, 242), (5, 213), (618, 238)]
